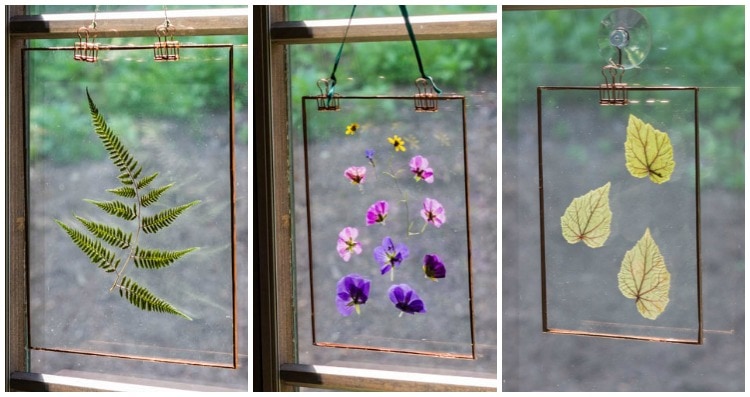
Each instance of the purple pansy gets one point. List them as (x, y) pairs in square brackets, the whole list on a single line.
[(419, 167), (406, 299), (347, 243), (433, 267), (390, 255), (377, 213), (433, 212), (355, 174), (351, 291)]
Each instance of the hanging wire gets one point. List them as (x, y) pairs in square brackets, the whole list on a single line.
[(166, 19), (93, 21), (409, 29), (338, 57)]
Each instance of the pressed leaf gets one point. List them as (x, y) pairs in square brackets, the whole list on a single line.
[(117, 151), (648, 151), (110, 234), (116, 208), (152, 224), (588, 218), (644, 277), (153, 196), (145, 300), (156, 259), (96, 252), (123, 191)]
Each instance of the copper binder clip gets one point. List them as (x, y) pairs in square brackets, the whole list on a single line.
[(327, 103), (425, 99), (166, 48), (85, 50), (613, 91)]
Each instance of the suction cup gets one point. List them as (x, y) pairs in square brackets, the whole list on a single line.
[(624, 38)]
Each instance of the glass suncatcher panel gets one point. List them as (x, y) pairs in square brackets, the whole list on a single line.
[(174, 119), (619, 202), (388, 226)]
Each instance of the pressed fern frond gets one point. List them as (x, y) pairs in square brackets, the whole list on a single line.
[(112, 235), (146, 180), (152, 224), (117, 152), (156, 259), (145, 300), (116, 208), (99, 255), (154, 195), (123, 191), (133, 189)]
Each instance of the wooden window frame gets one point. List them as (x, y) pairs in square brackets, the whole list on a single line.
[(20, 28), (275, 357)]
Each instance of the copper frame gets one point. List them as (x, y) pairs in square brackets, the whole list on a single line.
[(233, 229), (624, 88), (315, 342)]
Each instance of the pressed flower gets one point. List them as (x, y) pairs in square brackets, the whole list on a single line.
[(420, 169), (433, 267), (347, 243), (406, 299), (355, 174), (370, 154), (352, 128), (377, 213), (398, 143), (351, 291), (390, 255), (433, 212)]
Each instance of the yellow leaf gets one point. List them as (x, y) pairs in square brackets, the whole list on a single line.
[(644, 277), (588, 218), (648, 151)]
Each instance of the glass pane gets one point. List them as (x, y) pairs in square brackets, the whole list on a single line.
[(166, 114), (401, 220), (559, 48), (591, 285), (359, 75)]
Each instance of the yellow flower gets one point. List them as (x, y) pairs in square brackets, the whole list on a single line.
[(352, 128), (398, 143)]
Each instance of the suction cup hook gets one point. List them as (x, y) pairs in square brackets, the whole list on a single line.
[(624, 38)]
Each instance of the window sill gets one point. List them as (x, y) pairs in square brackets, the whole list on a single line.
[(82, 381), (320, 376)]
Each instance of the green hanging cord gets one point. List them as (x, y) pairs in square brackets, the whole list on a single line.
[(416, 50), (338, 57)]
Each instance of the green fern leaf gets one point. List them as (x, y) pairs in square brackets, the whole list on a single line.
[(146, 180), (116, 208), (153, 196), (117, 151), (156, 259), (152, 224), (123, 191), (145, 300), (96, 252), (112, 235)]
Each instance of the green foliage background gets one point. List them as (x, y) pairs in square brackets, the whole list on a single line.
[(691, 46), (143, 97)]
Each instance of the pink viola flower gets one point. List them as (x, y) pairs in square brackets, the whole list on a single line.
[(377, 213), (348, 244), (420, 169), (356, 174), (433, 212)]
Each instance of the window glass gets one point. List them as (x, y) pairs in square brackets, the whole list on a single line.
[(174, 118), (390, 68), (559, 48)]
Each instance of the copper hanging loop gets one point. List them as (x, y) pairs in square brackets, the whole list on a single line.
[(166, 48), (327, 100), (613, 91), (425, 99), (84, 50)]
